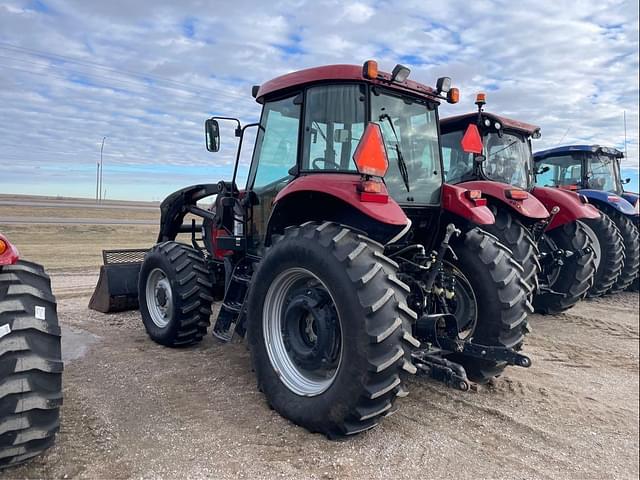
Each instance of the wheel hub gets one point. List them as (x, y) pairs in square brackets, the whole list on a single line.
[(309, 330), (302, 332), (159, 298)]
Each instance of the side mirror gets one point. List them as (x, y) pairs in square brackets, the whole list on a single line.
[(212, 135), (542, 170), (626, 180), (471, 140)]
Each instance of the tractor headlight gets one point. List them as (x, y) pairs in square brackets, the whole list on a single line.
[(497, 125), (487, 122)]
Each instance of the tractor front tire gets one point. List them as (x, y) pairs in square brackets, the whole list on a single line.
[(609, 250), (501, 294), (30, 363), (329, 329), (174, 289), (576, 275), (630, 239)]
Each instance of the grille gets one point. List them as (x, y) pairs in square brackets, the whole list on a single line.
[(131, 255)]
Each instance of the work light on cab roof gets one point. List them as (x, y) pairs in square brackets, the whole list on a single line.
[(400, 74)]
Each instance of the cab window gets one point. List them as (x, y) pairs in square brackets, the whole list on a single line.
[(333, 124), (276, 145)]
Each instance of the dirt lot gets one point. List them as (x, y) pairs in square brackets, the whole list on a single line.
[(133, 409)]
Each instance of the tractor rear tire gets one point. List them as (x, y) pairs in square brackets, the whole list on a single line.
[(174, 290), (576, 275), (326, 388), (502, 299), (30, 363), (609, 249), (630, 239), (519, 240)]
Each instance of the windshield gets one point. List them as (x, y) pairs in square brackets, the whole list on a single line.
[(508, 159), (410, 132), (603, 173)]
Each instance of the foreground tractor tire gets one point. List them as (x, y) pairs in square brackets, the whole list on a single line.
[(575, 277), (174, 291), (329, 329), (501, 299), (519, 240), (629, 234), (609, 249), (30, 363)]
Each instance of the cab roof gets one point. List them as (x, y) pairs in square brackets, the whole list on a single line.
[(329, 73), (460, 122), (568, 149)]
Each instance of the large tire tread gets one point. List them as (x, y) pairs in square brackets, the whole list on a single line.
[(577, 275), (386, 331), (629, 234), (503, 312), (611, 258), (519, 240), (189, 277), (30, 364)]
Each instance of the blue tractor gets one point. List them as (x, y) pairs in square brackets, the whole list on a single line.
[(594, 171)]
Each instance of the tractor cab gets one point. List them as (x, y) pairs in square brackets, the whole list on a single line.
[(578, 167), (493, 153), (505, 154), (311, 125)]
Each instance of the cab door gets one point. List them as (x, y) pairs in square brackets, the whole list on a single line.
[(274, 155)]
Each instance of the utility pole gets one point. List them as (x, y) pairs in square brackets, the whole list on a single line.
[(101, 168), (624, 119), (97, 180)]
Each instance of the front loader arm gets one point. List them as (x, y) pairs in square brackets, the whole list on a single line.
[(174, 208)]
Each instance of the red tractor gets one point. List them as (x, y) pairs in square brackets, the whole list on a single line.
[(550, 231), (30, 359), (340, 291)]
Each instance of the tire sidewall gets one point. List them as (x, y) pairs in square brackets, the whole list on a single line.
[(156, 260), (330, 405)]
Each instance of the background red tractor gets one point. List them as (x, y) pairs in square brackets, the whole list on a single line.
[(340, 291), (550, 232), (30, 359)]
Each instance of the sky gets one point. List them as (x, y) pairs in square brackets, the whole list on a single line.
[(146, 74)]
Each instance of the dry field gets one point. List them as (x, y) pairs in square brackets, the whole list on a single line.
[(134, 409)]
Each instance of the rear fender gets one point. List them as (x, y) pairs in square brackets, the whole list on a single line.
[(335, 197), (531, 208), (10, 255), (608, 199), (454, 200), (571, 207)]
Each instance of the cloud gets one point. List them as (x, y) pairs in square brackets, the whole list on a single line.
[(146, 75)]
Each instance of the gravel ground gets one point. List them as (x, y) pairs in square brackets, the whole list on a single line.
[(134, 409)]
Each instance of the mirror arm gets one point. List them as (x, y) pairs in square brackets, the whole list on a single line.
[(240, 130), (233, 119)]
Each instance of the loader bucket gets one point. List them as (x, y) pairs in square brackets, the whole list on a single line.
[(117, 288)]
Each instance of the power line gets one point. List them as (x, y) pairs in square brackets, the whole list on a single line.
[(144, 76), (134, 83), (197, 106)]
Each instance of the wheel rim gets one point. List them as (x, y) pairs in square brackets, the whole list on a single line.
[(159, 298), (302, 332), (463, 304)]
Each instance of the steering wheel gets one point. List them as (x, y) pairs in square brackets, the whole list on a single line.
[(327, 163)]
